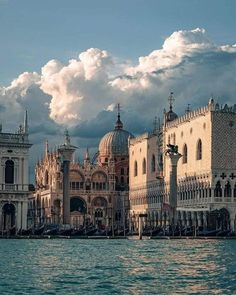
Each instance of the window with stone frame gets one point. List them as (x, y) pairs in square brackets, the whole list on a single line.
[(9, 172), (227, 190), (185, 154), (135, 168), (199, 150), (144, 166)]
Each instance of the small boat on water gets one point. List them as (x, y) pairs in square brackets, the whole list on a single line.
[(39, 230), (51, 230), (65, 232), (77, 232)]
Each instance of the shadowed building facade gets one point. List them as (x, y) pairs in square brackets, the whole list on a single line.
[(14, 181)]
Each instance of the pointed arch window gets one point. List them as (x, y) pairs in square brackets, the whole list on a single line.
[(199, 149), (218, 190), (185, 154), (153, 164), (135, 168), (9, 171), (144, 166), (227, 190)]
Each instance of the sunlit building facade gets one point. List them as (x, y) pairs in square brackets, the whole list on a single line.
[(206, 181), (98, 189)]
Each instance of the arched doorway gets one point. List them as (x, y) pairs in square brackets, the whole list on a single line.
[(9, 216), (100, 212), (78, 211)]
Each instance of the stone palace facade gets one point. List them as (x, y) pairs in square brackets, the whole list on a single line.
[(206, 172), (14, 182)]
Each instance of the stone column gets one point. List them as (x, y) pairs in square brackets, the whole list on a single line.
[(199, 218), (24, 214), (19, 215), (66, 151), (204, 220), (188, 218), (174, 158), (140, 228), (232, 221)]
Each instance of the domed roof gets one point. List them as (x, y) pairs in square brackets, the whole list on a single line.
[(115, 142), (171, 116)]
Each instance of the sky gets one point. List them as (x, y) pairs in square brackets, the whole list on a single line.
[(70, 62)]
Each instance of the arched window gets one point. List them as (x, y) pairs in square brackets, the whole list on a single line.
[(153, 164), (199, 149), (174, 139), (9, 171), (122, 171), (227, 190), (46, 177), (185, 154), (218, 190), (135, 168), (144, 166)]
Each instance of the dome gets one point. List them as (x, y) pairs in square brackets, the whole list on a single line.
[(115, 142), (171, 116)]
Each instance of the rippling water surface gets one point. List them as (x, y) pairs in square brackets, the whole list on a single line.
[(118, 267)]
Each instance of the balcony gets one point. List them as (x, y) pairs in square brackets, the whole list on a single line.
[(14, 187), (202, 201)]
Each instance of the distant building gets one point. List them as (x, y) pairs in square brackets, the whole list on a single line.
[(14, 181), (146, 185), (98, 191), (206, 172)]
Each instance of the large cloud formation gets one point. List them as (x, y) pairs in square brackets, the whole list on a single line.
[(82, 93)]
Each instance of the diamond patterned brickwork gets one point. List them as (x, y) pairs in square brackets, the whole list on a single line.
[(223, 141)]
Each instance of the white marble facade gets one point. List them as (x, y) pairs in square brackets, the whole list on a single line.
[(14, 182), (206, 172)]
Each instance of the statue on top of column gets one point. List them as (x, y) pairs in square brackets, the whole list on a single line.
[(172, 149)]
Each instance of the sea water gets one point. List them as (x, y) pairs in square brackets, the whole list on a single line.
[(56, 266)]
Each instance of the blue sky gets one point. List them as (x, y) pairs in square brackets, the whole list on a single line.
[(33, 32), (70, 62)]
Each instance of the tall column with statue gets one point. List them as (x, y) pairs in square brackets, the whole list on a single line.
[(174, 156), (66, 151)]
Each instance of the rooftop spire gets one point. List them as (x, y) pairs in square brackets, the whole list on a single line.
[(87, 156), (119, 124), (188, 110), (26, 128), (155, 124), (46, 148), (171, 100)]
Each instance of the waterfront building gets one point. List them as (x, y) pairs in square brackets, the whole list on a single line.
[(206, 172), (14, 181), (98, 188), (146, 182)]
